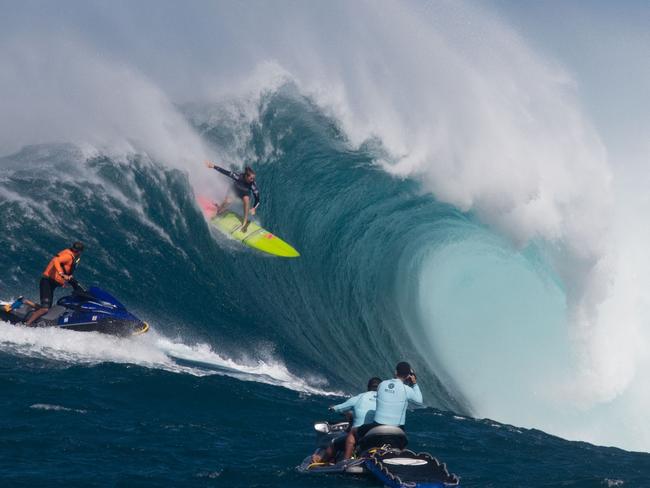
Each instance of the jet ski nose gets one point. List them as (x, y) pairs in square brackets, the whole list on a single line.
[(140, 329)]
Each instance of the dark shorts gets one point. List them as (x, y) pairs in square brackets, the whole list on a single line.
[(363, 430), (241, 192), (47, 287)]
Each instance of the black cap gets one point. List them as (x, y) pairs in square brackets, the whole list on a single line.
[(78, 246), (403, 369), (373, 383)]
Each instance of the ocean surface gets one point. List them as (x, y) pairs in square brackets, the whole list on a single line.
[(246, 351)]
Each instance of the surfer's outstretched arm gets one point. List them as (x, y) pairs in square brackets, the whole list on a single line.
[(228, 173)]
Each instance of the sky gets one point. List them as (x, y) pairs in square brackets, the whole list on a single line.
[(605, 46)]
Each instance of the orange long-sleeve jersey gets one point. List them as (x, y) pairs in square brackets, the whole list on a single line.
[(62, 263)]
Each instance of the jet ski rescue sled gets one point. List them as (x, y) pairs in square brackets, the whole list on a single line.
[(381, 454), (92, 310)]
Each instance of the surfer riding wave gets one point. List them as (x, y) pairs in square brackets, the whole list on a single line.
[(243, 185)]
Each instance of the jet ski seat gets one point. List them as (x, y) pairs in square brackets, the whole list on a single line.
[(384, 435), (54, 313)]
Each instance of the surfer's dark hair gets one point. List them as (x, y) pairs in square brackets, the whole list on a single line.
[(249, 171)]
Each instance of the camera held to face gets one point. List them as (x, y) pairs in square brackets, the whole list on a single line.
[(410, 379)]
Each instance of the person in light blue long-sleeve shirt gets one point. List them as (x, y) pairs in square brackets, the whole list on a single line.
[(393, 398), (362, 407)]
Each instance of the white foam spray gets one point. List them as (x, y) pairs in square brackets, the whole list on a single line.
[(152, 350)]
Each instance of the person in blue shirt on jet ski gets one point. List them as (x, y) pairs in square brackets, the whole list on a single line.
[(362, 407), (393, 398)]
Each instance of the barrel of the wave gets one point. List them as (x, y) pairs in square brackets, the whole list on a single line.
[(230, 224)]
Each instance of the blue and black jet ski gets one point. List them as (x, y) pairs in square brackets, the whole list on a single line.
[(381, 454), (91, 310)]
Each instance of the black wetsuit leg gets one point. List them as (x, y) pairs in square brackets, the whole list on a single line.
[(47, 287)]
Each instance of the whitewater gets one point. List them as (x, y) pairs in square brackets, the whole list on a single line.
[(458, 193), (152, 351)]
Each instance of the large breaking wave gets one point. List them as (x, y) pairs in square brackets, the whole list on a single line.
[(450, 201)]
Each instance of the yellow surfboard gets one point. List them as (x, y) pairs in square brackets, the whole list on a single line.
[(230, 223), (255, 236)]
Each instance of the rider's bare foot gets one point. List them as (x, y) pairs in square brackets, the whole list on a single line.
[(221, 208)]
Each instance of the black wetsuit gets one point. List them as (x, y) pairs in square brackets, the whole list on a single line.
[(241, 187)]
